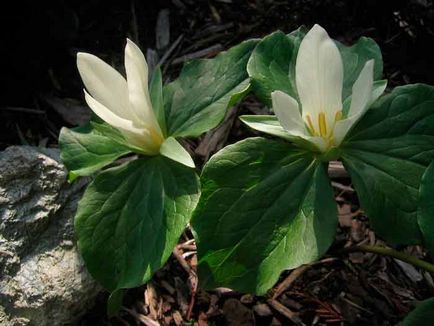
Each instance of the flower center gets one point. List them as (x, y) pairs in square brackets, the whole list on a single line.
[(322, 129)]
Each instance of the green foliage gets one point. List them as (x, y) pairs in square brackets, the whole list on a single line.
[(271, 66), (354, 58), (386, 155), (425, 215), (131, 217), (266, 206), (198, 100), (86, 149), (422, 315)]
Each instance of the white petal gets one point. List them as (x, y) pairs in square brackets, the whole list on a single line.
[(106, 85), (147, 142), (362, 90), (377, 90), (174, 150), (108, 116), (319, 75), (137, 79), (268, 124), (342, 127), (288, 113), (364, 94)]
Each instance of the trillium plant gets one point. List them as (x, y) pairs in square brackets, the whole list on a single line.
[(264, 204)]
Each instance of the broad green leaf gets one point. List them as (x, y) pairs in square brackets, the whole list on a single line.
[(354, 58), (156, 93), (85, 150), (425, 215), (198, 100), (272, 64), (422, 315), (174, 150), (131, 217), (386, 154), (266, 206)]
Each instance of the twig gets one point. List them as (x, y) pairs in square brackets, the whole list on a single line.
[(171, 49), (355, 305), (340, 186), (336, 170), (24, 110), (291, 315), (181, 260), (198, 54), (142, 318), (383, 251), (289, 280), (193, 283)]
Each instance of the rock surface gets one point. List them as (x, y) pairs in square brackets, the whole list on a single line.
[(43, 280)]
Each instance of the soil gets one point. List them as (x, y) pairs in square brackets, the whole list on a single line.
[(42, 92)]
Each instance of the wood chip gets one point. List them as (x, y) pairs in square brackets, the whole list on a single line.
[(210, 51), (151, 299), (162, 29), (247, 299), (262, 309), (72, 111), (293, 316), (237, 314), (336, 170), (289, 280), (182, 294)]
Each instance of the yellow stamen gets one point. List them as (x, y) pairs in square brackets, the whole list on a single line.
[(156, 137), (310, 125), (338, 116), (322, 124)]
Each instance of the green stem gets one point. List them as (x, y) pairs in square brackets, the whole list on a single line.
[(383, 251)]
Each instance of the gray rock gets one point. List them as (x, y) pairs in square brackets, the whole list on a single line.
[(43, 280)]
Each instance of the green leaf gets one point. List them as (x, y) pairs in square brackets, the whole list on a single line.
[(174, 150), (131, 217), (422, 315), (198, 100), (425, 216), (266, 206), (386, 154), (272, 64), (85, 150), (156, 94), (354, 58)]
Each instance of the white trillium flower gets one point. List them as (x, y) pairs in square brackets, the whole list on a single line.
[(126, 104), (319, 81)]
